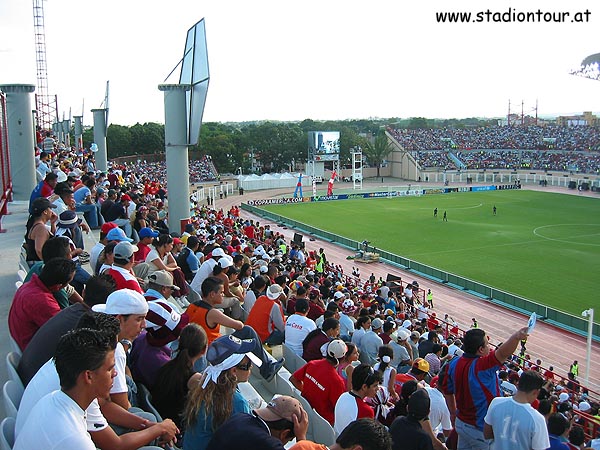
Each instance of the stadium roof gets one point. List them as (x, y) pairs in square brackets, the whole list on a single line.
[(592, 59)]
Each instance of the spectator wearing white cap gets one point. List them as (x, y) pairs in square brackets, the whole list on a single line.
[(267, 317), (161, 287), (206, 268), (100, 411), (231, 303), (130, 307), (402, 359), (319, 381)]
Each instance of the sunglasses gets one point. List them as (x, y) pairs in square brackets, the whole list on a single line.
[(244, 367)]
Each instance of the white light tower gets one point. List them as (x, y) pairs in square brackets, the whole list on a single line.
[(589, 313)]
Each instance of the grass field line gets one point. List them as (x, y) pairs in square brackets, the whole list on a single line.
[(458, 250), (454, 207), (565, 239), (519, 243)]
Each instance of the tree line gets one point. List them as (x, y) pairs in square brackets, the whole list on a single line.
[(275, 146)]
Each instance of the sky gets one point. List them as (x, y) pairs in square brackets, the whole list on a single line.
[(292, 60)]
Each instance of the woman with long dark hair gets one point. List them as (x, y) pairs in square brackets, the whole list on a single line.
[(37, 233), (216, 398), (177, 377), (161, 258)]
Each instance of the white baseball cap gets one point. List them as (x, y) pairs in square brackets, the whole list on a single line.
[(123, 302), (274, 291), (337, 349), (217, 252)]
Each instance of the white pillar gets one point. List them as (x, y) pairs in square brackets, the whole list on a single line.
[(21, 138), (100, 139), (176, 149), (67, 132), (78, 132)]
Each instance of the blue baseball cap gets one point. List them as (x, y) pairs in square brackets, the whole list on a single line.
[(226, 346), (147, 232), (117, 234)]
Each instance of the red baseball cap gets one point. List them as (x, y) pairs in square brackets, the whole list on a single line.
[(107, 227)]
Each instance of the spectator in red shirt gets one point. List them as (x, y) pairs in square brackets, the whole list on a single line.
[(388, 328), (249, 230), (44, 188), (319, 382), (316, 305), (432, 321), (549, 374), (146, 235), (121, 269), (34, 303)]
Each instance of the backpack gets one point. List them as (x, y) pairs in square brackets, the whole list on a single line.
[(183, 264)]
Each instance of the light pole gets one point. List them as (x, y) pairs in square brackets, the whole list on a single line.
[(589, 313)]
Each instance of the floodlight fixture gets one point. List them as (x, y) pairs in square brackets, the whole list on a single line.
[(195, 73)]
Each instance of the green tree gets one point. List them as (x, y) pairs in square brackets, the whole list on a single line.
[(88, 137), (148, 138), (376, 152), (349, 139), (118, 141), (419, 122)]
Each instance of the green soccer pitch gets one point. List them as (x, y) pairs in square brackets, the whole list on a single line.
[(541, 246)]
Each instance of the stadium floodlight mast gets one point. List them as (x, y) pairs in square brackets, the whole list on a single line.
[(184, 108), (589, 314)]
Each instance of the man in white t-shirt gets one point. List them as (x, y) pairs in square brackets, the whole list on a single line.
[(206, 269), (46, 380), (130, 308), (439, 414), (298, 326), (351, 406), (97, 249), (85, 363), (513, 423)]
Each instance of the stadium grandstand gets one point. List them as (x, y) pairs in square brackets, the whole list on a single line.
[(266, 271)]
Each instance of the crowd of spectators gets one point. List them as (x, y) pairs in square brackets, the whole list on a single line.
[(200, 170), (558, 148), (376, 354), (532, 137)]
